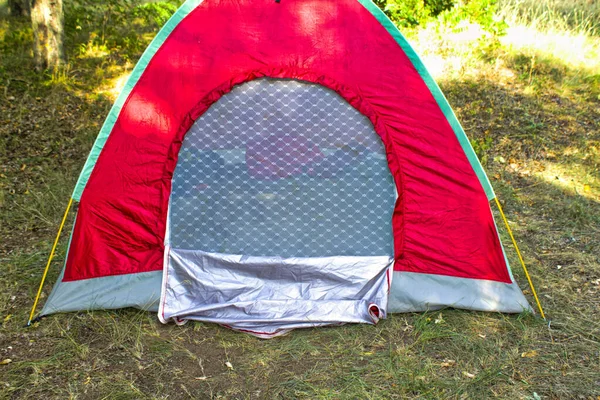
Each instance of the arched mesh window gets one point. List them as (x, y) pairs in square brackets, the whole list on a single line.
[(282, 168)]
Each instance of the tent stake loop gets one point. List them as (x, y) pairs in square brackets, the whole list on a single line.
[(37, 297), (537, 300)]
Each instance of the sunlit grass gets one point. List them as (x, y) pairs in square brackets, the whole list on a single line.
[(447, 51), (572, 177), (564, 45), (574, 49), (575, 16), (112, 86), (92, 49)]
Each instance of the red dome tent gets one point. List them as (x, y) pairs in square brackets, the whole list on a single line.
[(239, 178)]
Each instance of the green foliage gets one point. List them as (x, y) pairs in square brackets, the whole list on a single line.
[(115, 24), (436, 7), (482, 12), (16, 38), (413, 12), (157, 13), (410, 13), (407, 12)]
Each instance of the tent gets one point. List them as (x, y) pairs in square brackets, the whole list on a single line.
[(272, 165)]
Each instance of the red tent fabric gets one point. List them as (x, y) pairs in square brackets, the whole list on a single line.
[(442, 223)]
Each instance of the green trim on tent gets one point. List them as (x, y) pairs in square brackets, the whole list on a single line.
[(444, 106), (436, 92), (137, 72), (189, 6)]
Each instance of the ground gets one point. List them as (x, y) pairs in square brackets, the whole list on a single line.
[(530, 102)]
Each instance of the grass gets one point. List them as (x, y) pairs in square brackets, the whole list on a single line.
[(579, 16), (529, 102)]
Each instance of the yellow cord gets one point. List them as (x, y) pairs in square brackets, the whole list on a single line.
[(537, 300), (37, 297)]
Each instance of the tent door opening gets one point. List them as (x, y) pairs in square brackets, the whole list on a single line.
[(280, 213)]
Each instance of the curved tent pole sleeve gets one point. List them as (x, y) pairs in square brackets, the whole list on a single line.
[(537, 300), (39, 292)]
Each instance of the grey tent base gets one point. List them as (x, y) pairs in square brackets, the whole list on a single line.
[(410, 292), (111, 292), (424, 292)]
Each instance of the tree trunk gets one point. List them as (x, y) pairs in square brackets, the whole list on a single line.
[(19, 8), (47, 22)]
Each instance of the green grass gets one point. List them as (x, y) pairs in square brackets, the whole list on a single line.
[(531, 108)]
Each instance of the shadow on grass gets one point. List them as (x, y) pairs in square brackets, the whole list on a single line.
[(521, 126)]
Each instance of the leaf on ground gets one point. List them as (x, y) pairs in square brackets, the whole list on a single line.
[(439, 319), (529, 354), (448, 363), (229, 365), (6, 361), (468, 374)]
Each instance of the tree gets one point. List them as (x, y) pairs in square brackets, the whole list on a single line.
[(47, 23), (19, 8)]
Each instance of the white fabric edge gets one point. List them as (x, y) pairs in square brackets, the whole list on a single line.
[(415, 292), (163, 284)]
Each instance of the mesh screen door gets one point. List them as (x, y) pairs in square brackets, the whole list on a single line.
[(282, 168), (280, 213)]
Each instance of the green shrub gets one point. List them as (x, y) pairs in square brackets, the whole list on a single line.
[(410, 13), (407, 12), (482, 12), (436, 7), (413, 12)]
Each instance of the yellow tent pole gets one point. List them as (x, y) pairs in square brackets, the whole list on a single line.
[(537, 300), (37, 297)]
